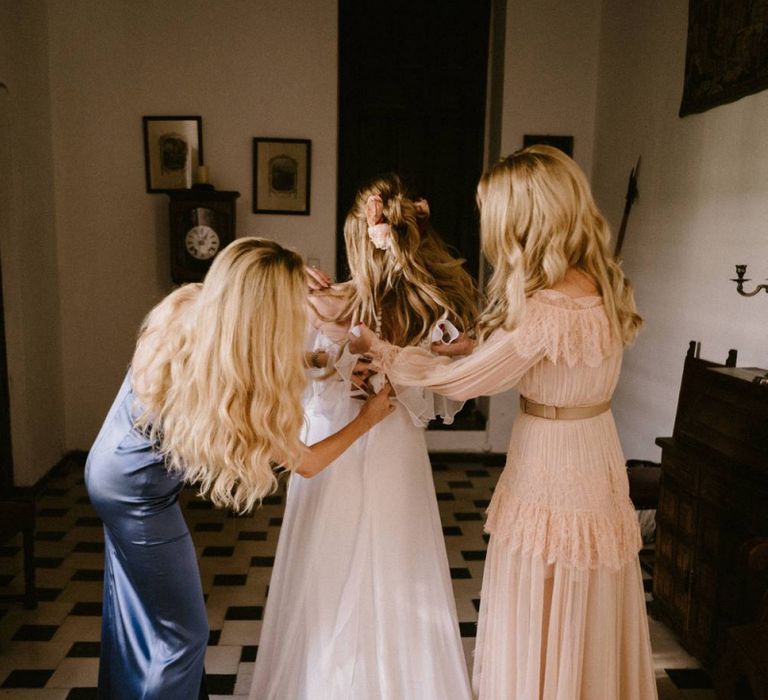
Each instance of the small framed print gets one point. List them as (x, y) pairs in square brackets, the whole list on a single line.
[(281, 175), (173, 148), (564, 143)]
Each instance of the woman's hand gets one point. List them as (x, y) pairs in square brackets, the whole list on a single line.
[(322, 453), (361, 339), (316, 279), (463, 345), (377, 408), (317, 359), (362, 373)]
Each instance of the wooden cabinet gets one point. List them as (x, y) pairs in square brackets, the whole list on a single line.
[(713, 498)]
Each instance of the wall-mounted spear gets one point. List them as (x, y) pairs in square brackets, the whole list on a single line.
[(630, 200)]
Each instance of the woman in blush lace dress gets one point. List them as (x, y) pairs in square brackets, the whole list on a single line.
[(562, 613), (360, 603)]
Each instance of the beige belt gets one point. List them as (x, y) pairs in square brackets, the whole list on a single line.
[(541, 410)]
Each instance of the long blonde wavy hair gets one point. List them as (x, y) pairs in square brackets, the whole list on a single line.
[(537, 219), (412, 283), (218, 371)]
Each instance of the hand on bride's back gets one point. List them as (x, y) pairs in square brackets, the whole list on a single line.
[(316, 279), (378, 407), (362, 372), (463, 345), (361, 339)]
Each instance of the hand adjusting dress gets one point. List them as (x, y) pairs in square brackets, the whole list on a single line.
[(154, 627), (562, 613)]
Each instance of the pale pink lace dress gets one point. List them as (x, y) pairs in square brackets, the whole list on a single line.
[(562, 614)]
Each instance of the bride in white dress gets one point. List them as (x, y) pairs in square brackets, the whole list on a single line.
[(360, 604)]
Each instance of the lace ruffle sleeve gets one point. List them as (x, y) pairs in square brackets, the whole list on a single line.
[(422, 403), (554, 327), (574, 331)]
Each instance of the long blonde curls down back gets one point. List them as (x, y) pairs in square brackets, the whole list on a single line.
[(537, 219), (411, 284), (218, 371)]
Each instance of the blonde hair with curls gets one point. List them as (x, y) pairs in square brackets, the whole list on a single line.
[(413, 282), (538, 219), (218, 372)]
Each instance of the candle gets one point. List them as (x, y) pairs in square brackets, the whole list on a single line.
[(202, 175)]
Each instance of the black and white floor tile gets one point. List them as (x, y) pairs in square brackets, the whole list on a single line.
[(51, 653)]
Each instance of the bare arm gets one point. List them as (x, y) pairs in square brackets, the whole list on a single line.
[(322, 453)]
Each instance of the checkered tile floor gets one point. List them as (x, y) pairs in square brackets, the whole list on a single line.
[(51, 653)]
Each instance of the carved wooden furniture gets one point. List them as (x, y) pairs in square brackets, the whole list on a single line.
[(743, 670), (713, 499)]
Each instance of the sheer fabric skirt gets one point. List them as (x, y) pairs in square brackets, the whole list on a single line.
[(562, 613), (360, 603), (553, 632)]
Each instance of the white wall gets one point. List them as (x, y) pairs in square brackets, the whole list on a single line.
[(550, 87), (550, 75), (28, 242), (703, 207), (249, 68), (257, 68)]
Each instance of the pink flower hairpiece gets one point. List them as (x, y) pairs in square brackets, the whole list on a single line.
[(422, 213), (379, 231)]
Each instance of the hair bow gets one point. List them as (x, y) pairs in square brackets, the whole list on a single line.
[(444, 331)]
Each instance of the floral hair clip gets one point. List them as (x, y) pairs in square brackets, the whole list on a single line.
[(379, 231)]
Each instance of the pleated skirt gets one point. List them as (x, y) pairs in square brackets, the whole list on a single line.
[(551, 632)]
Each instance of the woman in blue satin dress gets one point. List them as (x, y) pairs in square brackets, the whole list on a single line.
[(213, 397)]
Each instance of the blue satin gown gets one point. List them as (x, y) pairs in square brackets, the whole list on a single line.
[(154, 628)]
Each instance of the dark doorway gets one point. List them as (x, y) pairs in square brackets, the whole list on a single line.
[(412, 100), (412, 95)]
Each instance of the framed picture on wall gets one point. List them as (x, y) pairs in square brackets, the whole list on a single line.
[(173, 148), (281, 175), (564, 143)]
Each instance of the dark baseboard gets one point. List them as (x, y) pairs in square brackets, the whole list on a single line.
[(488, 459), (76, 458)]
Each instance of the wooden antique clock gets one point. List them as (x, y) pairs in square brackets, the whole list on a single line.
[(202, 222)]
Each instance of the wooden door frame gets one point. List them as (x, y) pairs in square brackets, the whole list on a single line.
[(6, 450), (6, 447)]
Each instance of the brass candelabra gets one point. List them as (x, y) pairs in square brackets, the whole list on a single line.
[(741, 270)]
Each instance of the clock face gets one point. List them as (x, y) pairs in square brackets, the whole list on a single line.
[(202, 242)]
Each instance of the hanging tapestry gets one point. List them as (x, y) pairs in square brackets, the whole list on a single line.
[(727, 54)]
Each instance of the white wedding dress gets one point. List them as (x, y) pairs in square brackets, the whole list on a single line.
[(360, 603)]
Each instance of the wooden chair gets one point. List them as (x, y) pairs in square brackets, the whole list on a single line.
[(743, 670), (644, 479)]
